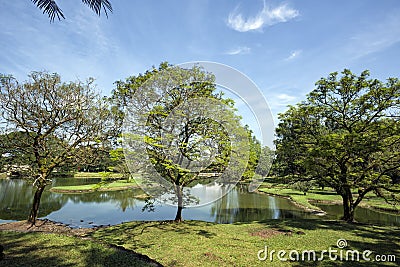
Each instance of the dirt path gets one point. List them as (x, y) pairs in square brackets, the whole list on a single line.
[(46, 226)]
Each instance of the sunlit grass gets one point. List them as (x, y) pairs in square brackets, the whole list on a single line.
[(194, 243), (97, 175)]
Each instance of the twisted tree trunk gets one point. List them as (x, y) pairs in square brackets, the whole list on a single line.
[(36, 203)]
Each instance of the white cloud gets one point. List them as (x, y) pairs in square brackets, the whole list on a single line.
[(239, 50), (279, 101), (294, 54), (285, 98), (267, 16)]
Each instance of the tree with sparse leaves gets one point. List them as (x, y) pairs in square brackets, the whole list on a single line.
[(57, 124), (346, 135)]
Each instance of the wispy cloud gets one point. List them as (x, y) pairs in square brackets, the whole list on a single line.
[(239, 50), (293, 55), (285, 98), (279, 101), (266, 17), (376, 37)]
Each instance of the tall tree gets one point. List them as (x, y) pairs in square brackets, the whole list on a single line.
[(265, 161), (176, 121), (254, 156), (51, 8), (59, 122), (345, 135)]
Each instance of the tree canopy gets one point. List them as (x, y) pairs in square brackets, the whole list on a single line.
[(177, 127), (345, 135)]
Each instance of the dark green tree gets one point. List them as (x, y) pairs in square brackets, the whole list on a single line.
[(51, 8), (254, 156), (346, 135), (265, 161)]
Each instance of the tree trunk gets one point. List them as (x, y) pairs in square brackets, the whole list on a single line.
[(178, 217), (179, 194), (36, 202), (348, 208)]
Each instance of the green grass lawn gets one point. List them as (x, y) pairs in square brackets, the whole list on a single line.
[(104, 186), (97, 175), (38, 249), (300, 198), (194, 243)]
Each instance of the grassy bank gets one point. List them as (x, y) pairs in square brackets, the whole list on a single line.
[(328, 195), (97, 175), (194, 243), (3, 175), (39, 249), (103, 186)]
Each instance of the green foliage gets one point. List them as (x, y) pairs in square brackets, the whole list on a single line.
[(345, 135), (303, 186), (254, 156), (265, 161), (49, 124)]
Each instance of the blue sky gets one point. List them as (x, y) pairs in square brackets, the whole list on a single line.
[(284, 47)]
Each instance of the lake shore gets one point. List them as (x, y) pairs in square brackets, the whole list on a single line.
[(307, 201)]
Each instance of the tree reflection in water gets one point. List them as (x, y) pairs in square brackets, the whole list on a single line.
[(16, 200)]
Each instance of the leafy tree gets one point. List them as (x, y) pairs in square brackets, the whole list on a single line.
[(58, 123), (11, 156), (254, 156), (346, 135), (51, 8), (177, 122), (303, 186), (265, 161)]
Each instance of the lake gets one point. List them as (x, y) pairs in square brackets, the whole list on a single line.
[(109, 208)]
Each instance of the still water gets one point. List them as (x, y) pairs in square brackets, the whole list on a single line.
[(103, 208)]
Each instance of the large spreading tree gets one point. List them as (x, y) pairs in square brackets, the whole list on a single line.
[(57, 123), (346, 135), (178, 128)]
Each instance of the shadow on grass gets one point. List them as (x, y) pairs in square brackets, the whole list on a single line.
[(38, 249), (153, 236)]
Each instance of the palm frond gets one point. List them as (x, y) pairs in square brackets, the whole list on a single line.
[(97, 5), (49, 7)]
